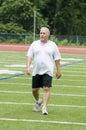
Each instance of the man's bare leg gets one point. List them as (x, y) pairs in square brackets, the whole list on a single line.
[(46, 97), (35, 92)]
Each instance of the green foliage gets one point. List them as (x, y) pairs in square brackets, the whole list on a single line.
[(71, 41), (11, 28), (62, 17), (64, 42), (21, 13), (12, 38), (29, 38)]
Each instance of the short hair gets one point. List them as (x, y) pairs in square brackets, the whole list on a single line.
[(46, 29)]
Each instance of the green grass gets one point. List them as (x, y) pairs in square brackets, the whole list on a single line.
[(67, 104)]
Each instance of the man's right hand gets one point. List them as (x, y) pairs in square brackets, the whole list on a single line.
[(28, 71)]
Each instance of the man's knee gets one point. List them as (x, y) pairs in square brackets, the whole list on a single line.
[(46, 89), (34, 90)]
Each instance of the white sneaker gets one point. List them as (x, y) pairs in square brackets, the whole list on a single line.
[(37, 105), (44, 111)]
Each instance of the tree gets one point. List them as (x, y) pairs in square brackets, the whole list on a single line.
[(62, 17), (21, 13), (65, 17)]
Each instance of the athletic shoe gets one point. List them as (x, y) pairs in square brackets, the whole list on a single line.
[(44, 111), (37, 105)]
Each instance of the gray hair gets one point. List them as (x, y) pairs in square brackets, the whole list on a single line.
[(46, 29)]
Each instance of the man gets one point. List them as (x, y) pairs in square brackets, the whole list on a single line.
[(45, 54)]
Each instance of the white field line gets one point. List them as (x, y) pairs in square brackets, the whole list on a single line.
[(80, 71), (51, 105), (43, 121), (58, 79), (23, 78), (53, 94), (29, 85), (11, 61), (74, 71), (22, 63), (72, 80), (76, 80), (73, 75), (54, 79), (7, 61)]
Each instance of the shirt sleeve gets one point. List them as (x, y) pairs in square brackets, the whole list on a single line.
[(30, 51), (57, 55)]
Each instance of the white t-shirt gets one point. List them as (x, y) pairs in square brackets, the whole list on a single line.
[(44, 56)]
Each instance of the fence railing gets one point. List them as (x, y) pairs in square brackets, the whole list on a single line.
[(28, 39), (73, 39)]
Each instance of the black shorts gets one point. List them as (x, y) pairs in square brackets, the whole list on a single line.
[(41, 81)]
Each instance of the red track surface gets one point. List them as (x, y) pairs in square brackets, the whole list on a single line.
[(24, 47)]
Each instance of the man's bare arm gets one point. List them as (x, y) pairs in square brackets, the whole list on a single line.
[(28, 62), (58, 73)]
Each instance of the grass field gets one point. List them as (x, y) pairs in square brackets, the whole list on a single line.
[(67, 105)]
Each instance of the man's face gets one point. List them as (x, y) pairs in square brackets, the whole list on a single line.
[(43, 35)]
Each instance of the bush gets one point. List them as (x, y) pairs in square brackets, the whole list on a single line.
[(11, 28)]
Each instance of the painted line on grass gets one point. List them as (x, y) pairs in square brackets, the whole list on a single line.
[(17, 75), (14, 76), (51, 105), (43, 121), (73, 63), (55, 79), (54, 94), (58, 85)]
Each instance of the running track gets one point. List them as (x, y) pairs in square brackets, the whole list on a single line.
[(63, 49)]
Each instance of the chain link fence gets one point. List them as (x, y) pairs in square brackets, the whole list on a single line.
[(29, 38)]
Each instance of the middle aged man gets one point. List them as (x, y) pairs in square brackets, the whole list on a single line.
[(45, 55)]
